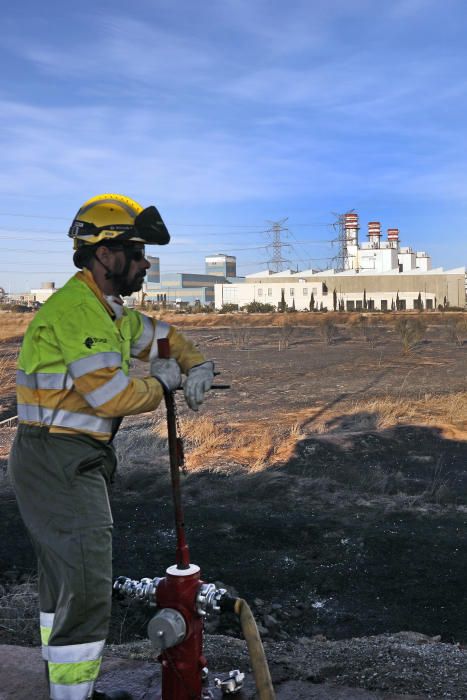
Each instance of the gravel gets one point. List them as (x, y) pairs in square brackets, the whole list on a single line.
[(406, 664)]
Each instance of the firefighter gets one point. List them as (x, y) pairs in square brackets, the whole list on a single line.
[(73, 389)]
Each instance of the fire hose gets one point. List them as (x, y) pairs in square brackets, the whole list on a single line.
[(183, 600), (258, 659)]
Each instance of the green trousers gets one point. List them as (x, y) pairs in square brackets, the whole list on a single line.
[(61, 485)]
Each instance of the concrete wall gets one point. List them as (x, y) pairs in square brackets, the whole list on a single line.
[(349, 287)]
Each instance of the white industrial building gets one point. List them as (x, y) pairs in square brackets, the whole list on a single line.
[(378, 274)]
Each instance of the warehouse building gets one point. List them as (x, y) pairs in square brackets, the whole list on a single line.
[(348, 290), (187, 288)]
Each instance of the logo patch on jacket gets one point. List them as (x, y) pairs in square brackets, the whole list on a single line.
[(89, 342)]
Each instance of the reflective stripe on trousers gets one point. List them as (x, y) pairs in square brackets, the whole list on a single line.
[(73, 670), (46, 623)]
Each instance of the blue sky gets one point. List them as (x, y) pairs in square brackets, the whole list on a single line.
[(229, 114)]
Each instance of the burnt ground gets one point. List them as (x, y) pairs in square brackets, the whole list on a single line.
[(360, 531)]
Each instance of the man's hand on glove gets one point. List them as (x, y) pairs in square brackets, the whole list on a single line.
[(167, 372), (198, 381)]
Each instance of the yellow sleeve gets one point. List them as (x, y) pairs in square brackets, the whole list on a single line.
[(147, 331), (111, 393)]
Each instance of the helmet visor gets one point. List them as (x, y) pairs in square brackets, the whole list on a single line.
[(151, 228)]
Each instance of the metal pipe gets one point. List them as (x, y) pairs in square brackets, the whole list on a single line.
[(176, 460)]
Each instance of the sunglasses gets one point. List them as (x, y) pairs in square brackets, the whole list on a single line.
[(136, 254)]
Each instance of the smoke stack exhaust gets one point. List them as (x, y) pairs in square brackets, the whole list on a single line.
[(351, 228), (393, 237), (374, 232)]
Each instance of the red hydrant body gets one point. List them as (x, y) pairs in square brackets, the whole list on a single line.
[(182, 664)]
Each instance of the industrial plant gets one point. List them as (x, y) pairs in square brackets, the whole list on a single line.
[(374, 275), (377, 274)]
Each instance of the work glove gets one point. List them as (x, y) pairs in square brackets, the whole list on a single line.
[(198, 381), (167, 372)]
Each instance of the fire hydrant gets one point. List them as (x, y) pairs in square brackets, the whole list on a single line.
[(176, 630)]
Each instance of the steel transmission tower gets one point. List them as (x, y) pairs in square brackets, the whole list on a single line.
[(338, 260), (277, 262)]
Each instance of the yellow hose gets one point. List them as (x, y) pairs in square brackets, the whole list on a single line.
[(258, 660)]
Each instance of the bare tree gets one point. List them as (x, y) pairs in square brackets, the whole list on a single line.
[(286, 330), (240, 334), (328, 330), (456, 330)]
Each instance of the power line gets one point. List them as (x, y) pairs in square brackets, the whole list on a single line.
[(257, 227), (33, 251), (35, 216)]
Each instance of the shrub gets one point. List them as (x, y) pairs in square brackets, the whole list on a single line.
[(240, 334), (286, 329), (328, 330), (19, 308), (411, 332), (228, 308), (457, 330), (366, 328), (199, 309), (282, 306), (257, 307)]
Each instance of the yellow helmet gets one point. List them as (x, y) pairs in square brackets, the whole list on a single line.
[(113, 217)]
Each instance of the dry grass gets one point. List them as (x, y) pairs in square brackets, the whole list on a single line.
[(299, 318), (448, 412), (135, 439), (429, 410), (256, 445), (456, 329), (239, 334), (19, 612), (7, 373), (13, 325), (253, 445)]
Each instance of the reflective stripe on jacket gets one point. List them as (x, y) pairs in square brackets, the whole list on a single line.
[(73, 368)]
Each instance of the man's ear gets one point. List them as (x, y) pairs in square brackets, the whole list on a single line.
[(102, 253)]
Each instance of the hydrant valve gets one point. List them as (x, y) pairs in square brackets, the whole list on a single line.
[(208, 599)]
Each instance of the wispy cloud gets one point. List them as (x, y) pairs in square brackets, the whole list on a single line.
[(238, 101), (122, 49), (89, 149)]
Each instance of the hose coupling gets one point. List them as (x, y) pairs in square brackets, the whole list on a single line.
[(232, 684), (143, 590), (208, 599)]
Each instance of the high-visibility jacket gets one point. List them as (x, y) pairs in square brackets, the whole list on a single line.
[(73, 368)]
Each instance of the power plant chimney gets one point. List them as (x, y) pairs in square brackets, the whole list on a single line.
[(393, 237), (374, 233), (351, 228), (351, 241)]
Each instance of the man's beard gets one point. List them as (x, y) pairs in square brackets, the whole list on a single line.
[(126, 286)]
